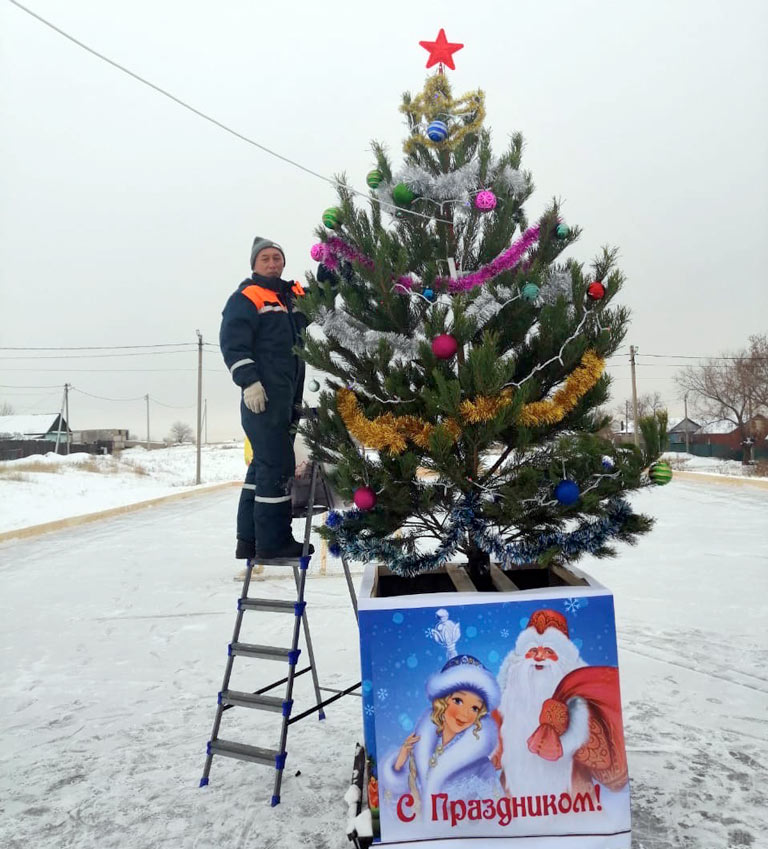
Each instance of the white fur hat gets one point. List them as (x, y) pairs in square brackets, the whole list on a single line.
[(464, 673)]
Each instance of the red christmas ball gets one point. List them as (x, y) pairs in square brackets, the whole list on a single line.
[(364, 498), (596, 291), (444, 346)]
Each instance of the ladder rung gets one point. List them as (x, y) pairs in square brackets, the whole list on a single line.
[(242, 752), (271, 605), (251, 700), (265, 652)]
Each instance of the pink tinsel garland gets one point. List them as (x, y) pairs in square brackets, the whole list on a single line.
[(503, 262), (330, 251)]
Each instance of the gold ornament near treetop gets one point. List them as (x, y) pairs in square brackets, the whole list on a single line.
[(436, 103), (392, 433)]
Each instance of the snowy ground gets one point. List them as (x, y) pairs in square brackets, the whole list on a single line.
[(711, 465), (46, 487), (113, 647)]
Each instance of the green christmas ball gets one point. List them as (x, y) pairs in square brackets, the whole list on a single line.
[(313, 386), (530, 292), (332, 218), (374, 178), (660, 473), (563, 231), (402, 195)]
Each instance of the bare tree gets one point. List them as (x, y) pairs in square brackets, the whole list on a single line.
[(727, 388), (648, 404), (180, 432), (6, 409), (758, 368)]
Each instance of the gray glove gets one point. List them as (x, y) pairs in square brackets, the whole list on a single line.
[(255, 397)]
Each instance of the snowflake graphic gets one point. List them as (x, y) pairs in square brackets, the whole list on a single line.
[(382, 694), (428, 633), (370, 710), (504, 633), (572, 605)]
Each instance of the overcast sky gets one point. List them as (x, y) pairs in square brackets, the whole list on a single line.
[(125, 219)]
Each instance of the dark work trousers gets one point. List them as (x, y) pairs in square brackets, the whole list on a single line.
[(264, 512)]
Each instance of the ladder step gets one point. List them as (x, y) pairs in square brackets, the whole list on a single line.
[(252, 700), (271, 605), (264, 652), (242, 752)]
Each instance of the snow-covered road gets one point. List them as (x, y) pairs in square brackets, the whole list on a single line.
[(113, 648)]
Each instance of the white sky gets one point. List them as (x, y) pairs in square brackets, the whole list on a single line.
[(125, 219)]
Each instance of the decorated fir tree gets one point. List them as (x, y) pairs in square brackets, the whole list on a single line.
[(465, 361)]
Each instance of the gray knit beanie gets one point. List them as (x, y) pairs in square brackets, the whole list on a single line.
[(259, 243)]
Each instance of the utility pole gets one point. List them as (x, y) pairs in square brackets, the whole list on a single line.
[(626, 415), (632, 351), (205, 418), (199, 400), (146, 398), (66, 407), (687, 431), (61, 416)]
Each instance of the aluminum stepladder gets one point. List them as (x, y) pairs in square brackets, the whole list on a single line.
[(259, 700)]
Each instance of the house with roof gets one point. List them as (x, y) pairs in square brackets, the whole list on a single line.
[(42, 426)]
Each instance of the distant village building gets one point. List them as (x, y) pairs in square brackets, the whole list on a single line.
[(116, 437), (43, 426), (723, 438)]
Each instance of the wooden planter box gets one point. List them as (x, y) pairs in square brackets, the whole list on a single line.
[(493, 718)]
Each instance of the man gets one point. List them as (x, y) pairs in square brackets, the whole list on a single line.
[(560, 720), (259, 329)]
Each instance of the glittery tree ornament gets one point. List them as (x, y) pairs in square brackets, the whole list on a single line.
[(317, 252), (374, 178), (530, 292), (563, 231), (332, 218), (660, 473), (437, 131), (402, 195), (485, 201), (567, 492)]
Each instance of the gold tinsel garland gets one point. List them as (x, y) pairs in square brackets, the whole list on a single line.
[(435, 102), (392, 432)]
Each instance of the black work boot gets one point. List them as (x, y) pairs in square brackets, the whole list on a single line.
[(291, 549), (246, 549)]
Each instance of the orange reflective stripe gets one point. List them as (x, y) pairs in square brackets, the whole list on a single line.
[(260, 296), (297, 288)]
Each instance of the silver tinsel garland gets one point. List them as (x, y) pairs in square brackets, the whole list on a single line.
[(361, 340), (456, 185), (510, 179)]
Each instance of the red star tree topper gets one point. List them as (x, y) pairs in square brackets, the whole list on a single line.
[(441, 50)]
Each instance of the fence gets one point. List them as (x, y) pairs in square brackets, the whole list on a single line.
[(720, 452), (16, 449)]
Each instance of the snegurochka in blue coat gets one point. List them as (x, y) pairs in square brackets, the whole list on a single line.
[(259, 328)]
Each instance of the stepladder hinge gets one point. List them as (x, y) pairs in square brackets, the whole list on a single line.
[(299, 607), (287, 707), (280, 760), (293, 656)]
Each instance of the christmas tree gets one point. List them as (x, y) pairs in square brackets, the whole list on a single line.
[(465, 361)]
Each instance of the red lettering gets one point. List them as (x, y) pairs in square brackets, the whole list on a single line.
[(561, 803), (596, 788), (490, 809), (505, 811), (475, 810), (458, 811), (549, 804), (435, 797), (518, 806), (531, 811), (582, 801), (405, 801)]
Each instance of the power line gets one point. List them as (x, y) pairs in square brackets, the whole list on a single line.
[(99, 347), (217, 123), (102, 397), (92, 356), (113, 370)]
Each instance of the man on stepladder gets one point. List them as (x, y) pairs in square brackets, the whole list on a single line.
[(259, 330)]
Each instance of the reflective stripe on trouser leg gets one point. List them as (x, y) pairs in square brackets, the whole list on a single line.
[(271, 471), (245, 507)]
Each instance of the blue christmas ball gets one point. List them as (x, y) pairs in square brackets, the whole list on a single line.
[(437, 131), (429, 294), (567, 492), (607, 464)]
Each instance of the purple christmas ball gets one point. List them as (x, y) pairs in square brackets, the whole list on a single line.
[(485, 200), (317, 252)]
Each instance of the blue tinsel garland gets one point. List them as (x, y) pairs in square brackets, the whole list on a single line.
[(589, 537)]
